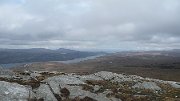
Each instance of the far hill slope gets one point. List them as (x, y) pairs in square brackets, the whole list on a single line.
[(41, 55), (163, 65)]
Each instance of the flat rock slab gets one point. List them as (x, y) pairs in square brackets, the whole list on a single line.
[(44, 92), (14, 92), (147, 85), (175, 84), (65, 79)]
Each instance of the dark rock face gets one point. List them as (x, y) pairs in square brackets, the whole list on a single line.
[(101, 86), (65, 92)]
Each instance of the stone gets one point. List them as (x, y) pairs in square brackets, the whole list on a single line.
[(14, 92), (96, 88), (115, 99), (89, 77), (147, 85), (174, 84), (34, 75), (77, 91), (106, 75), (55, 86), (45, 92)]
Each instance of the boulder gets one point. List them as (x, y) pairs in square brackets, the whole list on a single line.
[(44, 92), (147, 85), (14, 92), (174, 84), (65, 79)]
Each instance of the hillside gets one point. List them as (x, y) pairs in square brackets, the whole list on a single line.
[(155, 64), (41, 55)]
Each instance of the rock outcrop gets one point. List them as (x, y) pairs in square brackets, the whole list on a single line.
[(15, 92), (101, 86), (147, 85)]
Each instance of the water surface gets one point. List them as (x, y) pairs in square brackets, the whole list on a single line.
[(11, 65)]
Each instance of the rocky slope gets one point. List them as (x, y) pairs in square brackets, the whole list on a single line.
[(101, 86)]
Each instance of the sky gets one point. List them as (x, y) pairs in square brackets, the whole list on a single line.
[(90, 24)]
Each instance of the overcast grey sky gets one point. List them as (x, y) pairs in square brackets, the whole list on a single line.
[(90, 24)]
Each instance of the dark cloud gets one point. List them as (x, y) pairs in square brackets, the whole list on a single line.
[(92, 24)]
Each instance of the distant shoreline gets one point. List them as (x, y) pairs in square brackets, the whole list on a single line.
[(12, 65)]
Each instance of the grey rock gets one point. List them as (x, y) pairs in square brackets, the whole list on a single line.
[(34, 75), (4, 71), (106, 75), (115, 99), (89, 77), (114, 77), (96, 88), (73, 83), (55, 87), (44, 92), (65, 79), (14, 92), (77, 91), (174, 84), (147, 85)]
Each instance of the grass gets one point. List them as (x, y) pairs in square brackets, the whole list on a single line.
[(169, 92), (125, 92)]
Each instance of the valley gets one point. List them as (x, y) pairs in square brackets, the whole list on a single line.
[(163, 65)]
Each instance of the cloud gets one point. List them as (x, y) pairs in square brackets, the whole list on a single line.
[(92, 24)]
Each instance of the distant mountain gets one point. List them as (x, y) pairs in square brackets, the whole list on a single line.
[(41, 55), (63, 50)]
